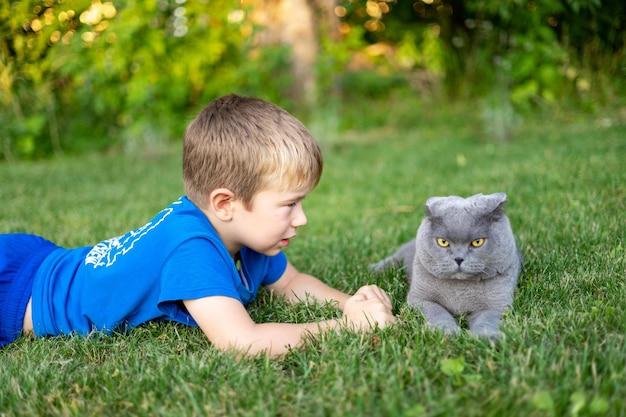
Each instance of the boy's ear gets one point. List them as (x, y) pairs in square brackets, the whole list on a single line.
[(221, 203)]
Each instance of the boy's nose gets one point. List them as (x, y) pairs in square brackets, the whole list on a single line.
[(300, 219)]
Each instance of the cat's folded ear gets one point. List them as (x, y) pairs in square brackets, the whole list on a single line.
[(479, 203), (499, 199), (493, 203), (432, 203)]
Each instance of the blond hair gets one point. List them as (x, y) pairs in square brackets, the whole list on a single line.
[(247, 145)]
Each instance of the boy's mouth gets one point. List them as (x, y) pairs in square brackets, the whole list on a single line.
[(285, 242)]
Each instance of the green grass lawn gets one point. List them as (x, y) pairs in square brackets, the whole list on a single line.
[(564, 353)]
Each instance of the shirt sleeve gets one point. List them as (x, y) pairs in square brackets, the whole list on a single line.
[(197, 268)]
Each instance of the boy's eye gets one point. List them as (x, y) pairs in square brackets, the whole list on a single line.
[(443, 242), (478, 242)]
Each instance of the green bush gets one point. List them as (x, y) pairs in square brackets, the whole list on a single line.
[(84, 75), (541, 54)]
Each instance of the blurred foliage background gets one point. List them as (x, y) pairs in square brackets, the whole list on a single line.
[(85, 75)]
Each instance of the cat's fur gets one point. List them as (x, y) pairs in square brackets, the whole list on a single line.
[(459, 278)]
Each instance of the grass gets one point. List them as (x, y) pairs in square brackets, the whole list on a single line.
[(564, 353)]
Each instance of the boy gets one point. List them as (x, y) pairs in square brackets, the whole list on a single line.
[(247, 166)]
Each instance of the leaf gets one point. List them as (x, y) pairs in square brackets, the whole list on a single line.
[(598, 405), (542, 400), (417, 411), (453, 366), (577, 400)]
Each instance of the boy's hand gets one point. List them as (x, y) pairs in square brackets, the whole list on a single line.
[(371, 292), (368, 307)]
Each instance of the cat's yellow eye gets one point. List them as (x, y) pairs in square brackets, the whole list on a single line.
[(442, 242), (478, 242)]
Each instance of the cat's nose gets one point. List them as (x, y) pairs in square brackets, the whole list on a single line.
[(459, 261)]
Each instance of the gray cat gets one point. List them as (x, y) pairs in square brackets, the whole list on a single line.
[(464, 260)]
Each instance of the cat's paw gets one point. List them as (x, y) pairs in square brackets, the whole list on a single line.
[(447, 329), (488, 334)]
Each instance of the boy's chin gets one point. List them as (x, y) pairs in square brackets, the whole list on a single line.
[(272, 252)]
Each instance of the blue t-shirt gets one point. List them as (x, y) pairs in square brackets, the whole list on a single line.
[(144, 274)]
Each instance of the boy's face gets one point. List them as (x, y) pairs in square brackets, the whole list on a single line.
[(271, 222)]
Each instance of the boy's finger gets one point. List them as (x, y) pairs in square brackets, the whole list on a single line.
[(373, 291), (359, 296), (369, 291)]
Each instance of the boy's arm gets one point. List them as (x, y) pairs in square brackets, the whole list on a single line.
[(297, 286), (226, 322)]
